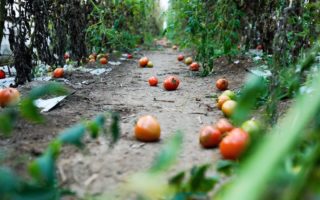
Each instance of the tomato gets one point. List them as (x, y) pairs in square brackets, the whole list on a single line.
[(259, 47), (188, 61), (222, 84), (2, 74), (143, 61), (9, 96), (147, 129), (234, 144), (129, 56), (150, 64), (224, 125), (209, 137), (153, 81), (103, 61), (180, 57), (221, 100), (230, 94), (194, 66), (58, 73), (66, 56), (171, 83), (102, 55), (252, 126), (228, 107), (174, 47), (92, 57)]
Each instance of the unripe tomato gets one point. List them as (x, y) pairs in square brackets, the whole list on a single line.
[(228, 107)]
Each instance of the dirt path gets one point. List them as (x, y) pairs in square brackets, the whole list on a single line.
[(99, 169)]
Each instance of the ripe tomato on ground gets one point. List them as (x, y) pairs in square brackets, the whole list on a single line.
[(58, 73), (2, 74), (153, 81), (171, 83), (103, 61), (180, 57), (222, 84), (224, 125), (147, 129), (209, 137), (143, 61), (194, 66), (234, 144), (9, 96)]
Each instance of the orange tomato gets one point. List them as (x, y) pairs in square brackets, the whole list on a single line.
[(153, 81), (143, 61), (224, 125), (171, 83), (58, 73), (228, 107), (222, 84), (209, 137), (147, 129), (221, 100), (194, 66), (234, 144), (9, 96)]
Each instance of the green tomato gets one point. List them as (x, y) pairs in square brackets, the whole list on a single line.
[(230, 94), (252, 126)]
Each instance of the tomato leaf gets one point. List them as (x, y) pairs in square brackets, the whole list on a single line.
[(48, 89), (253, 88), (30, 111), (43, 169), (7, 120), (198, 180), (115, 129), (73, 135), (168, 154)]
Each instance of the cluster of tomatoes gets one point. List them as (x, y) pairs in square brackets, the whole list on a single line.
[(103, 58), (193, 66)]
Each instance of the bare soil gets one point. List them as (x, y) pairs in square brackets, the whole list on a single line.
[(125, 89)]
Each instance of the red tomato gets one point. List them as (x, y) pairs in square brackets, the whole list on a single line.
[(259, 47), (66, 56), (224, 125), (153, 81), (103, 61), (194, 66), (129, 56), (2, 74), (222, 84), (234, 144), (209, 137), (171, 83), (180, 57)]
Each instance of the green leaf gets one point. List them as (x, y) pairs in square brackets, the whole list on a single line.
[(43, 169), (73, 135), (48, 89), (254, 87), (198, 180), (168, 154), (177, 180), (7, 120), (30, 111), (226, 166), (115, 129), (261, 165), (8, 181), (37, 192), (93, 128)]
